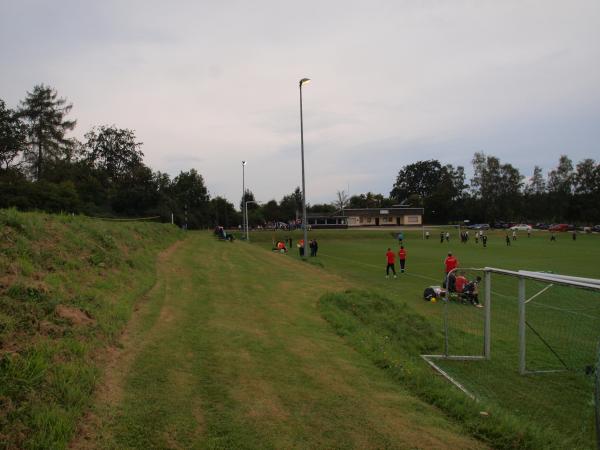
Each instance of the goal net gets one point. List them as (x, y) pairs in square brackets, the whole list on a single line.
[(531, 348)]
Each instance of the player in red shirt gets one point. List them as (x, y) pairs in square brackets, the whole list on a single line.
[(402, 258), (451, 263), (461, 282), (391, 259)]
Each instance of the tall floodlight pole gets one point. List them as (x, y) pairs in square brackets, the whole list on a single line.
[(247, 227), (304, 220), (243, 194)]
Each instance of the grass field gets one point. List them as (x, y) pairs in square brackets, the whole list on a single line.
[(229, 351), (569, 320), (214, 344)]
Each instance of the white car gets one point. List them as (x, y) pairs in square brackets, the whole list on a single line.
[(521, 227)]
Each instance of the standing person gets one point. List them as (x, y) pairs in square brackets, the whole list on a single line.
[(427, 235), (315, 246), (391, 259), (484, 239), (450, 264), (514, 235), (552, 238), (467, 235), (300, 246), (402, 258), (400, 238), (441, 237), (476, 238), (528, 232), (507, 240), (447, 237), (311, 245), (574, 235)]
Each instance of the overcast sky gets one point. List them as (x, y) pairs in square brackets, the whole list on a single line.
[(206, 85)]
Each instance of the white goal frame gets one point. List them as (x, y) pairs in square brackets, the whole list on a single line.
[(522, 275)]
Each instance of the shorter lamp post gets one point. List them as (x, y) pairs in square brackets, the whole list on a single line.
[(247, 228)]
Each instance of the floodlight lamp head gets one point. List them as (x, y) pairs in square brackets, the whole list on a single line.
[(243, 163), (304, 81)]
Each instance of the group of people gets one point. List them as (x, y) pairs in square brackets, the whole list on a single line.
[(391, 261), (313, 245), (457, 283)]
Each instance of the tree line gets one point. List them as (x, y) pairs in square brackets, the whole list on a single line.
[(500, 192), (105, 175)]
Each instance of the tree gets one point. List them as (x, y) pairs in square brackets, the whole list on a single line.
[(248, 197), (271, 211), (341, 200), (190, 196), (420, 178), (587, 177), (560, 179), (13, 136), (560, 189), (44, 113), (223, 213), (113, 151), (291, 205), (537, 184)]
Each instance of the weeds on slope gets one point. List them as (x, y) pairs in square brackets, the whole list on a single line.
[(67, 286)]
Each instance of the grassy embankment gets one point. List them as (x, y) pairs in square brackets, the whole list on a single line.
[(230, 351), (543, 410), (68, 285)]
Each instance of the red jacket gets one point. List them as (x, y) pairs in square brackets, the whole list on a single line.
[(391, 258), (460, 283), (402, 253), (451, 263)]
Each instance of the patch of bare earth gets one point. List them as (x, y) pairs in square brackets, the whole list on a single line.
[(75, 315), (117, 362)]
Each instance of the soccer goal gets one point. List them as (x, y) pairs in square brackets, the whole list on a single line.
[(536, 322), (531, 348)]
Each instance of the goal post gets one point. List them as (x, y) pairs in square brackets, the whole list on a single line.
[(552, 313)]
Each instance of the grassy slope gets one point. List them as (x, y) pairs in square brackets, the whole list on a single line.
[(229, 351), (50, 267), (555, 402)]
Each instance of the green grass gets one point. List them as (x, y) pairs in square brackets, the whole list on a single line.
[(230, 351), (47, 367), (559, 403)]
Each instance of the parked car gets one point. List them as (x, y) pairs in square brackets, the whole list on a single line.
[(559, 227), (479, 226), (596, 228), (501, 225), (521, 227), (541, 226)]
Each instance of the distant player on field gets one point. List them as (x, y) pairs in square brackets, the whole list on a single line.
[(402, 258), (391, 259)]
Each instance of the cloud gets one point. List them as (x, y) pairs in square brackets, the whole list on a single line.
[(205, 85)]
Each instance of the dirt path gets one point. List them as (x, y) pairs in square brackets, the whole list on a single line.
[(228, 351)]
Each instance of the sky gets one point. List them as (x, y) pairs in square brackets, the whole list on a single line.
[(206, 85)]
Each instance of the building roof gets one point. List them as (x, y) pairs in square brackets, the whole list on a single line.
[(395, 212), (372, 212)]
